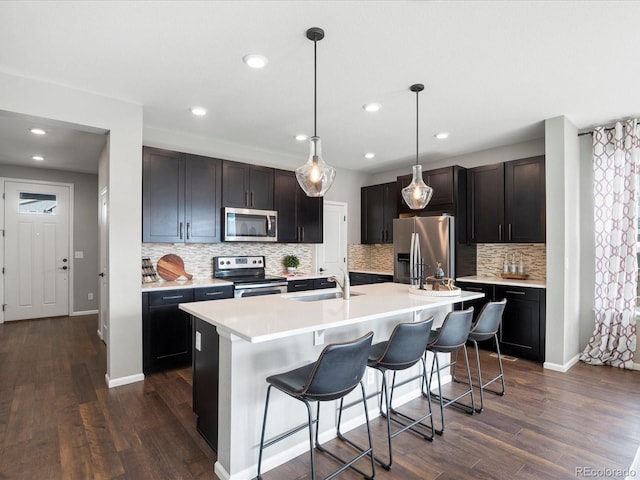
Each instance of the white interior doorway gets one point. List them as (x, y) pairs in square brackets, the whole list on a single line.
[(331, 255), (37, 238)]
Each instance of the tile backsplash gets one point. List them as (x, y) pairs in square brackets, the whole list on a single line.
[(491, 257), (198, 257), (376, 258)]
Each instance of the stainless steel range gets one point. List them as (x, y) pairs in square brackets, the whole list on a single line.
[(248, 276)]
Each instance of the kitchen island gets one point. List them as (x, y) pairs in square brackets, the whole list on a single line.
[(261, 336)]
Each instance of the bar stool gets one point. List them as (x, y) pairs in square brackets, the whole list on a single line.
[(449, 338), (338, 370), (404, 349), (486, 327)]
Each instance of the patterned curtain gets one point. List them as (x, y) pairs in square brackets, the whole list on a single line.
[(616, 159)]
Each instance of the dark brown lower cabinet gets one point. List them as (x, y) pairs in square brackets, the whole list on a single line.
[(361, 278), (522, 332), (304, 284), (167, 330)]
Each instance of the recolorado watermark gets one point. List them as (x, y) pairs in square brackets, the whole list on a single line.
[(591, 472)]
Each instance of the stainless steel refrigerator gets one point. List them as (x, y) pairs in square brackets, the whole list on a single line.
[(420, 244)]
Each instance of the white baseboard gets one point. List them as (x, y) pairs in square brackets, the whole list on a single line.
[(636, 366), (563, 368), (85, 312), (118, 382)]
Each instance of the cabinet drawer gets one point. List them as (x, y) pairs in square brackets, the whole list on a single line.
[(300, 285), (323, 283), (521, 293), (170, 297), (382, 278), (213, 293)]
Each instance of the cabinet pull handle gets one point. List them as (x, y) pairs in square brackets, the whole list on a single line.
[(188, 229), (246, 198), (382, 235), (499, 231), (252, 199), (513, 292), (509, 231), (213, 294), (474, 289), (172, 297), (180, 230)]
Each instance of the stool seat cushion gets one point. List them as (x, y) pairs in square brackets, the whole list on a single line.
[(293, 381)]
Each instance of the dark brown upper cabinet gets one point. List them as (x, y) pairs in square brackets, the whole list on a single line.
[(181, 197), (379, 208), (299, 217), (507, 202), (247, 186)]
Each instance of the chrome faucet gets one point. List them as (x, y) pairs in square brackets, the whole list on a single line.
[(344, 285)]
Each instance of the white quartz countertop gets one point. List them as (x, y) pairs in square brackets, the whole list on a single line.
[(504, 281), (270, 317), (178, 284)]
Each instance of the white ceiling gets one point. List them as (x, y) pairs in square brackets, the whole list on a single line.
[(493, 71)]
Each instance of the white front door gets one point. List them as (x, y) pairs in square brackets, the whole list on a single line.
[(331, 255), (36, 250)]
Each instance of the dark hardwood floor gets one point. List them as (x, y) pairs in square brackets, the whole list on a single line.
[(58, 420)]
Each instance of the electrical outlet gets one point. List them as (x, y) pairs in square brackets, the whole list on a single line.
[(371, 376), (90, 296)]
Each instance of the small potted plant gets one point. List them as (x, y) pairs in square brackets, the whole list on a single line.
[(291, 262)]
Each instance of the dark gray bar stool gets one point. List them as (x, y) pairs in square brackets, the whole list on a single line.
[(404, 349), (338, 370), (449, 338), (486, 327)]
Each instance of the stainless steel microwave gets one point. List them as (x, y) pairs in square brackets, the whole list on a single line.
[(250, 225)]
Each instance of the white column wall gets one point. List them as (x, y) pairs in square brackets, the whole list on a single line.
[(124, 121), (562, 167)]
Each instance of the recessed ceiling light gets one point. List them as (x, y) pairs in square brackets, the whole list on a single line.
[(38, 158), (369, 155), (371, 107), (199, 111), (37, 131), (441, 135), (254, 60), (301, 137)]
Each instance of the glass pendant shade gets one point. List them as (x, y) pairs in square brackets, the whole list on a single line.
[(417, 194), (315, 177)]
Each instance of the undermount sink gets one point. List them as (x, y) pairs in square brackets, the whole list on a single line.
[(321, 296)]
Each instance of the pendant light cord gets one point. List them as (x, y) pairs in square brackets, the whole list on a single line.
[(417, 130), (315, 88)]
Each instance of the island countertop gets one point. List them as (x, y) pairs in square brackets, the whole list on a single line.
[(270, 317)]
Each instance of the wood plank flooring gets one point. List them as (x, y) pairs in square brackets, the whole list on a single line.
[(58, 420)]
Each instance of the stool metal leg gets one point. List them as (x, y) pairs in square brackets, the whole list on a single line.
[(264, 425)]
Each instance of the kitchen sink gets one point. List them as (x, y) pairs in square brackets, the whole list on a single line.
[(321, 296)]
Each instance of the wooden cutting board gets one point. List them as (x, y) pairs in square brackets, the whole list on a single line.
[(171, 267)]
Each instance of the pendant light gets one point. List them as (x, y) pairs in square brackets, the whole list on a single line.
[(315, 177), (417, 194)]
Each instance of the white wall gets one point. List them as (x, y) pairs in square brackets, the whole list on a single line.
[(563, 242), (124, 121)]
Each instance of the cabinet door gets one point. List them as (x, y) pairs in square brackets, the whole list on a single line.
[(285, 204), (525, 211), (486, 204), (261, 187), (213, 293), (441, 180), (320, 283), (235, 184), (166, 330), (203, 199), (520, 330), (358, 278), (163, 196), (372, 204), (309, 216), (389, 210)]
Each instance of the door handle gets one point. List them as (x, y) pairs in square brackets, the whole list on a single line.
[(101, 274), (64, 268), (321, 269)]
